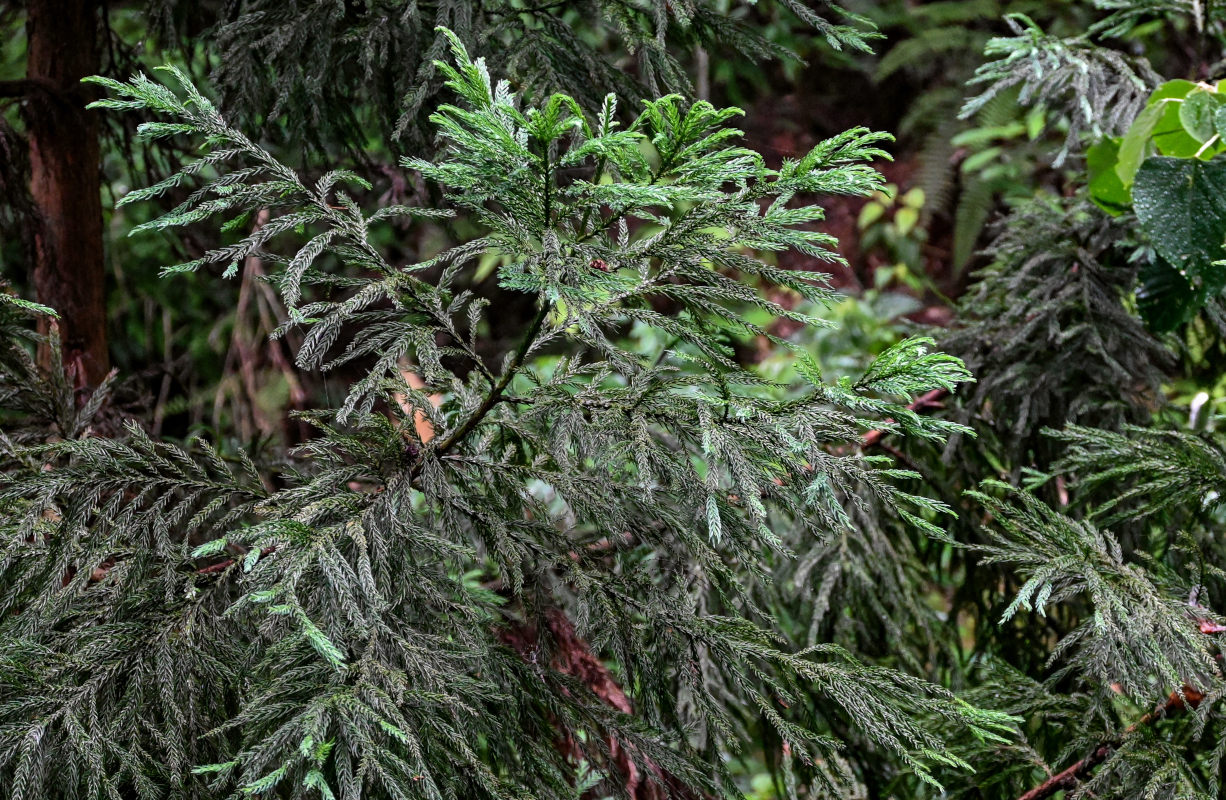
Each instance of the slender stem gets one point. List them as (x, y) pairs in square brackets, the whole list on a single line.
[(1078, 772), (584, 233), (221, 566), (533, 11), (548, 185), (345, 225), (496, 393), (929, 400)]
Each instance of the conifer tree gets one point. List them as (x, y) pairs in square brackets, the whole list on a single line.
[(541, 577), (612, 559)]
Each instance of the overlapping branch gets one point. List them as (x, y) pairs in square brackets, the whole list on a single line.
[(1082, 769)]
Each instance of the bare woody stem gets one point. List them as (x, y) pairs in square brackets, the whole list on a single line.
[(222, 566)]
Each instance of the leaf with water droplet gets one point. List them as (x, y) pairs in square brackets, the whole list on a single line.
[(1164, 297), (1196, 115), (1181, 207)]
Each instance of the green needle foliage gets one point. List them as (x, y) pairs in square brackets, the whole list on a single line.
[(383, 53), (523, 579), (1049, 332), (1143, 640), (1100, 90), (1150, 471)]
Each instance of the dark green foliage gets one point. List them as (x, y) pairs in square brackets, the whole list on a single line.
[(383, 53), (1179, 207), (970, 163), (1100, 90), (1048, 330), (1148, 471), (315, 81), (1105, 544), (391, 615), (553, 533), (1142, 640), (1132, 607)]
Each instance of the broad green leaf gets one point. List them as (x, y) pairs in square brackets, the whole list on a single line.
[(914, 198), (1036, 121), (906, 219), (1196, 115), (976, 162), (979, 136), (1219, 119), (1168, 130), (1107, 190), (1164, 297), (870, 214), (1169, 135), (1177, 89), (1181, 207), (1134, 144)]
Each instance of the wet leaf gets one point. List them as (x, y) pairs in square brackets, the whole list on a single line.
[(1165, 298), (1196, 116), (1107, 190), (1181, 208)]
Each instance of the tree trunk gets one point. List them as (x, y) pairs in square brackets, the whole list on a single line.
[(69, 271)]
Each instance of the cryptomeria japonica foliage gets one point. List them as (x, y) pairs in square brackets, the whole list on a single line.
[(545, 576), (568, 542)]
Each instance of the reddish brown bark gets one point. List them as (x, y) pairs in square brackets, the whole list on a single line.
[(69, 271)]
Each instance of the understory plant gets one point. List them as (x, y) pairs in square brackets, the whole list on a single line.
[(542, 575), (1090, 577)]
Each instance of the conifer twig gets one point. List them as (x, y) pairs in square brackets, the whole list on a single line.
[(495, 396), (221, 566), (924, 402), (1070, 777), (573, 656)]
